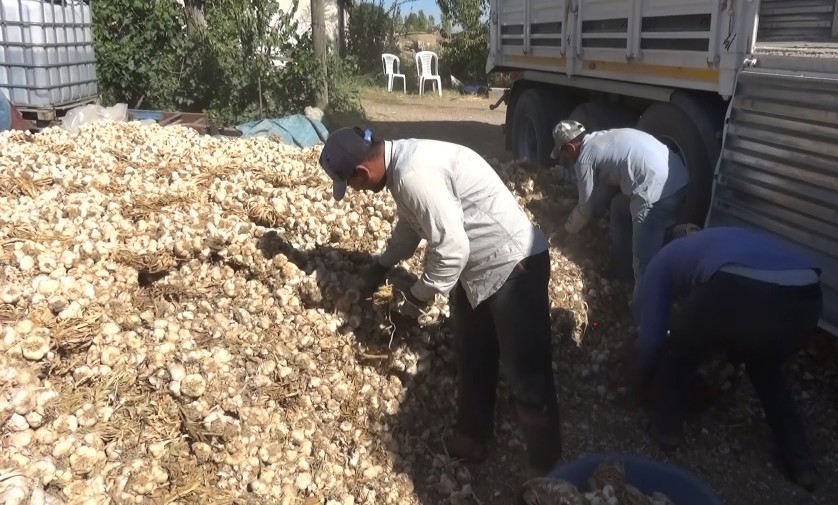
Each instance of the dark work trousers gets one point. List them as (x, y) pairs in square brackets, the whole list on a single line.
[(752, 322), (511, 327)]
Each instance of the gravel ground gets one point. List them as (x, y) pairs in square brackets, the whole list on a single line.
[(728, 443), (172, 350)]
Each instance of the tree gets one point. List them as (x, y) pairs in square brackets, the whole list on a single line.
[(422, 21), (466, 13), (370, 29), (431, 24), (411, 22), (223, 63), (318, 35), (446, 26), (466, 51)]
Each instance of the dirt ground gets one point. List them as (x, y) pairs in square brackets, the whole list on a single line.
[(451, 117), (728, 443)]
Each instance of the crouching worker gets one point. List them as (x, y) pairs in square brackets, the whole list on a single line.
[(485, 252), (750, 298), (631, 170)]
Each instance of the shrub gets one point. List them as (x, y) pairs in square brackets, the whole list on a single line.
[(221, 59), (370, 34)]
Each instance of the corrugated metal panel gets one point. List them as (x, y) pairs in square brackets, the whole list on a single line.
[(779, 167), (809, 20)]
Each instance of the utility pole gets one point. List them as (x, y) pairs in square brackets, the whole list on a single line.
[(318, 35)]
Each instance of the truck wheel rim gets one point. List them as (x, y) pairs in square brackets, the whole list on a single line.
[(527, 142)]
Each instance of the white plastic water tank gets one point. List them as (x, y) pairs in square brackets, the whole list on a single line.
[(46, 52)]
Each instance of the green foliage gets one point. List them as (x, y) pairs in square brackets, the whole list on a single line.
[(446, 26), (125, 72), (464, 53), (371, 32), (419, 22), (294, 87), (466, 13), (224, 61)]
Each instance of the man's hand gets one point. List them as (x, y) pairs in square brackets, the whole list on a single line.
[(405, 303), (372, 277)]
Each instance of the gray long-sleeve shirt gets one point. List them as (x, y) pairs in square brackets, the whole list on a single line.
[(476, 231), (633, 161)]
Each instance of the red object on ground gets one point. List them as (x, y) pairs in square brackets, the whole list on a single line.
[(18, 121)]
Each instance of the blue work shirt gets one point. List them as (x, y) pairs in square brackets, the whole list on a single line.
[(692, 260), (627, 160)]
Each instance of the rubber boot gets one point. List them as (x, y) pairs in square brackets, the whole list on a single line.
[(668, 437), (468, 449), (805, 476), (542, 435), (799, 466)]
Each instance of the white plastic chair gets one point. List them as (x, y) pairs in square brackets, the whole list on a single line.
[(391, 69), (425, 60)]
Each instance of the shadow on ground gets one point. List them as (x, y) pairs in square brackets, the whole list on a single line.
[(413, 443), (728, 445), (485, 138)]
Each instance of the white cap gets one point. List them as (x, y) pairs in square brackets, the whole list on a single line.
[(564, 132)]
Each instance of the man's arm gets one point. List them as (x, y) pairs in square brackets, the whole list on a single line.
[(651, 309), (581, 214), (440, 215), (401, 245)]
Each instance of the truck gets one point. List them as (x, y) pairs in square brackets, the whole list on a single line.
[(744, 91)]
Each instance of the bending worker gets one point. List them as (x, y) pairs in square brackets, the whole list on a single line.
[(651, 177), (481, 248), (749, 298)]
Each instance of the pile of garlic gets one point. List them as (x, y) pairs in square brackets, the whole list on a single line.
[(180, 322)]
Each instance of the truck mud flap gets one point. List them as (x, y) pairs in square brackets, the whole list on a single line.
[(778, 171)]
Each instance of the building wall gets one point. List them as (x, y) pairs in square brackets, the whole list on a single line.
[(303, 16)]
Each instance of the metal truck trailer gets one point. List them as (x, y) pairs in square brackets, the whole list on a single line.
[(745, 91)]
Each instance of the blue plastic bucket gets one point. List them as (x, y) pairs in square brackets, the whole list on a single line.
[(646, 475)]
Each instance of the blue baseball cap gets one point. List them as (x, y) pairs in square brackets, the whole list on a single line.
[(345, 149)]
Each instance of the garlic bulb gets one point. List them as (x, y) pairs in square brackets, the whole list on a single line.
[(180, 314)]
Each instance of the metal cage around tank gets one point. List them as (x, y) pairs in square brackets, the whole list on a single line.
[(47, 55)]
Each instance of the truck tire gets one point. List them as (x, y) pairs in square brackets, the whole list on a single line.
[(672, 126), (536, 113), (596, 116)]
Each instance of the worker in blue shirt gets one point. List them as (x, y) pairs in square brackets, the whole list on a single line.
[(749, 297), (644, 181)]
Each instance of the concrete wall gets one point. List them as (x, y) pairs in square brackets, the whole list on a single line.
[(303, 16)]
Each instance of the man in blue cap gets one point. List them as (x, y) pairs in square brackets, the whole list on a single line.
[(750, 298), (484, 251)]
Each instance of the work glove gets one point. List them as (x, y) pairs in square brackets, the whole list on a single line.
[(406, 304), (371, 279)]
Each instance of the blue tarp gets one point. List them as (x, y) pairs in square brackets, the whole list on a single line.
[(298, 130), (5, 113)]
